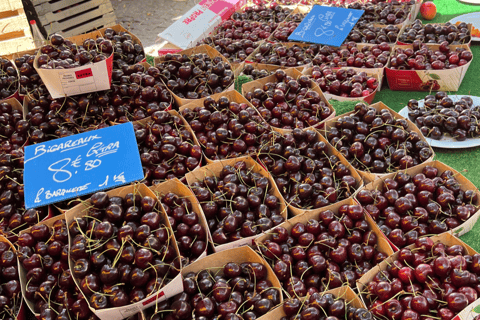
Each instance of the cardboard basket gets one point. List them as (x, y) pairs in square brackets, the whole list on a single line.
[(169, 290), (445, 238), (369, 176), (22, 273), (213, 170), (175, 186), (345, 292), (212, 53), (382, 243), (331, 151), (20, 312), (292, 72), (368, 99), (426, 80), (465, 184), (232, 95), (91, 77)]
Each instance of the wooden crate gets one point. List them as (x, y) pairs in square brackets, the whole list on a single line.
[(72, 17), (15, 34)]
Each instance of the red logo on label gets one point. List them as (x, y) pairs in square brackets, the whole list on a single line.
[(157, 296), (85, 73)]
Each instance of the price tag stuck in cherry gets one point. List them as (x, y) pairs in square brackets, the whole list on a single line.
[(81, 164), (326, 25)]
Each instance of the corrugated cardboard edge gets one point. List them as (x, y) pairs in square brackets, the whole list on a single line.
[(294, 73), (174, 287), (368, 99), (233, 96), (382, 242), (445, 238), (214, 169), (368, 176), (177, 187), (22, 273), (331, 151), (212, 53), (389, 73), (465, 184)]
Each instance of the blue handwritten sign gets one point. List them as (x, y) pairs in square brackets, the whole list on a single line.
[(326, 25), (69, 167)]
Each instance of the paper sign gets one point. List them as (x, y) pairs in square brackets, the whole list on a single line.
[(81, 164), (199, 21), (326, 25)]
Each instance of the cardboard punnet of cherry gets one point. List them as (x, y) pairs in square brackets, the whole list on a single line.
[(226, 127), (377, 141), (436, 277), (84, 63), (10, 79), (318, 251), (431, 198), (309, 173), (239, 200), (232, 284), (123, 252)]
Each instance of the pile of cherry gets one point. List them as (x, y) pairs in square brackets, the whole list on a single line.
[(374, 141), (391, 13), (289, 103), (237, 204), (30, 82), (408, 207), (196, 76), (226, 129), (323, 304), (441, 115), (122, 251), (43, 256), (233, 292), (62, 53), (307, 175), (255, 73), (234, 51), (282, 55), (365, 32), (330, 250), (344, 82), (167, 149), (430, 281), (350, 55), (8, 78), (436, 33), (10, 294)]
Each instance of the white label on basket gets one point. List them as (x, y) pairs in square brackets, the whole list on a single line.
[(129, 311), (77, 82)]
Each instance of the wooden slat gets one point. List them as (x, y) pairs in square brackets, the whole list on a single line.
[(107, 20), (9, 5), (49, 8), (15, 45), (15, 23), (54, 26)]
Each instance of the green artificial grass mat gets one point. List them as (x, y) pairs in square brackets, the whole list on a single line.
[(466, 161)]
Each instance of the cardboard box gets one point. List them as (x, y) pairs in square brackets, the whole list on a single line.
[(426, 80), (368, 99), (331, 151), (91, 77), (382, 243), (445, 238), (369, 176), (172, 288), (346, 293), (465, 184), (177, 187), (211, 52), (232, 95), (251, 86), (200, 21), (19, 305), (213, 170)]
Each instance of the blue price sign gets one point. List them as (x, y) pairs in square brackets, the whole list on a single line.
[(326, 25), (69, 167)]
